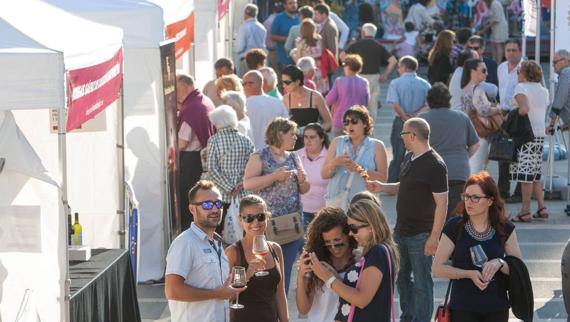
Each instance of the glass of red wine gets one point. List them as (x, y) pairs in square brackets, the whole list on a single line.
[(239, 280), (260, 249)]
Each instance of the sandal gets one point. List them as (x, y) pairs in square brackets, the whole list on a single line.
[(539, 214), (522, 217)]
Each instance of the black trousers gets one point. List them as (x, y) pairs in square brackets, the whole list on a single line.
[(504, 183), (190, 172), (465, 316)]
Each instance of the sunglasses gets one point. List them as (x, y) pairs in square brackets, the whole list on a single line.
[(484, 70), (355, 228), (349, 121), (554, 62), (250, 218), (209, 204), (287, 82), (473, 198), (339, 245)]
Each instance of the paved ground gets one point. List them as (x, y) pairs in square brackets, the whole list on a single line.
[(542, 244)]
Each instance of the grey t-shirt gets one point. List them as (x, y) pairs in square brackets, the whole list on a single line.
[(451, 133)]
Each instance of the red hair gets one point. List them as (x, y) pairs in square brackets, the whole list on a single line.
[(497, 212)]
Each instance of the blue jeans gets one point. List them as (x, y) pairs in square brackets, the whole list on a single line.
[(398, 150), (307, 218), (416, 294), (290, 251)]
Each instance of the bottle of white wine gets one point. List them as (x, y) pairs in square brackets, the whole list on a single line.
[(77, 232)]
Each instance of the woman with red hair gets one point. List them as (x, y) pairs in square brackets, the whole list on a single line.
[(477, 241)]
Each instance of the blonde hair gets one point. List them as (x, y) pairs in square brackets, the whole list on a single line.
[(366, 211), (229, 83), (308, 32)]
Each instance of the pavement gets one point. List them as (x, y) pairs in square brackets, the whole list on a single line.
[(541, 242)]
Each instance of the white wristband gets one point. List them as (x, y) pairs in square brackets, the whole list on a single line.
[(330, 281)]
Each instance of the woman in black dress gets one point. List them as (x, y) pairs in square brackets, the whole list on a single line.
[(439, 58)]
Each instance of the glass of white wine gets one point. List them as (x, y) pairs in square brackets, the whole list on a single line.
[(260, 249), (239, 280)]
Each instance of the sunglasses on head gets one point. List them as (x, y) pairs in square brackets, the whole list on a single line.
[(355, 228), (287, 82), (209, 204), (348, 121), (250, 218), (331, 247)]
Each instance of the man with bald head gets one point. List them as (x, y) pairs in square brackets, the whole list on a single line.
[(421, 208), (261, 108)]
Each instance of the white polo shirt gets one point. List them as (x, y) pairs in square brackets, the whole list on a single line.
[(193, 257)]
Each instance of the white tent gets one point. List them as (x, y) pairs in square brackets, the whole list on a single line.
[(34, 56), (145, 155)]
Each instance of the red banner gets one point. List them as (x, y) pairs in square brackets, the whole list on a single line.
[(183, 32), (91, 89), (223, 8)]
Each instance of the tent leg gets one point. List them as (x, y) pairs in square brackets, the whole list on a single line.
[(121, 166), (62, 152)]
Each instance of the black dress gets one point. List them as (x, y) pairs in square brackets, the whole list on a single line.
[(441, 69), (303, 116), (260, 297)]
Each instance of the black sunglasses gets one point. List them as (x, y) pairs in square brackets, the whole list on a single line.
[(287, 82), (348, 121), (250, 218), (355, 228), (339, 245), (484, 70), (209, 204), (473, 198)]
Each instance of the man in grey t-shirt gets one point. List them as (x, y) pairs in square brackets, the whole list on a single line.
[(453, 137)]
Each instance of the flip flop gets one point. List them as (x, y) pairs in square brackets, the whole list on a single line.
[(521, 218), (540, 215)]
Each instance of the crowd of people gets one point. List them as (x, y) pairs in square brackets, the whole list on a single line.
[(286, 137)]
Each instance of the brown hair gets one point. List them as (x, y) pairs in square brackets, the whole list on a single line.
[(354, 62), (200, 185), (276, 128), (531, 71), (308, 32), (362, 113), (443, 45), (255, 58)]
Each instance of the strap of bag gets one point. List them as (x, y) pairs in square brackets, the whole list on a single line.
[(391, 280), (447, 293), (351, 176), (360, 262)]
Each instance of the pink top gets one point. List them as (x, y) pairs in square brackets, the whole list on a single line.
[(314, 199)]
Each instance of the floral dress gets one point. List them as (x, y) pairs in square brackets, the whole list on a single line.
[(282, 198)]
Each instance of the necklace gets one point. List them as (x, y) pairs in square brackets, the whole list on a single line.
[(488, 234)]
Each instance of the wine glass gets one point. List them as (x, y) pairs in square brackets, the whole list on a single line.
[(239, 280), (478, 256), (260, 249)]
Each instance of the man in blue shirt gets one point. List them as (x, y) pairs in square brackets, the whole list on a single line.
[(280, 30), (251, 35), (407, 94)]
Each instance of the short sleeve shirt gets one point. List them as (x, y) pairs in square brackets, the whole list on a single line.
[(419, 180), (464, 294), (193, 257), (379, 309), (373, 54)]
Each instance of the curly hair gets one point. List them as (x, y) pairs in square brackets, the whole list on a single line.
[(531, 71), (325, 220), (497, 212)]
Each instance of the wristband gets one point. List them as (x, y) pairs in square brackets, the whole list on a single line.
[(330, 281), (502, 262)]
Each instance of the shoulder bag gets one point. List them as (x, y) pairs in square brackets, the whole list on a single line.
[(502, 148), (484, 125), (341, 200), (286, 228), (443, 313)]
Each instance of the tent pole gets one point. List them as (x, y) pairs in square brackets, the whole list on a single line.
[(121, 164), (552, 47), (62, 152), (538, 31)]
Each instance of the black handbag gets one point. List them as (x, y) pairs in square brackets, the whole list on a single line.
[(502, 148)]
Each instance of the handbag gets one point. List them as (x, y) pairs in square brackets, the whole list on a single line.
[(341, 199), (233, 231), (502, 148), (486, 125), (443, 313), (286, 228)]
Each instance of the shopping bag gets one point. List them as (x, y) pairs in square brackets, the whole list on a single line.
[(232, 227)]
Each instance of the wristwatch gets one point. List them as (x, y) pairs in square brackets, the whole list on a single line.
[(502, 262), (330, 281)]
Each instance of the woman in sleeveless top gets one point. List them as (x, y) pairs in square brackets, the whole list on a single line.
[(305, 105), (278, 177), (264, 299), (356, 153), (327, 236)]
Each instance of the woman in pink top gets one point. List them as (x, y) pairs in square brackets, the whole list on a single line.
[(347, 91), (313, 158)]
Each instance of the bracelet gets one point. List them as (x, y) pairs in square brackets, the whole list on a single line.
[(502, 262), (330, 281)]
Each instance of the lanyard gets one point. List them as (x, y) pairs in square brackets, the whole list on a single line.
[(219, 252)]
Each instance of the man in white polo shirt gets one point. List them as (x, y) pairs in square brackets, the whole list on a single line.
[(197, 285)]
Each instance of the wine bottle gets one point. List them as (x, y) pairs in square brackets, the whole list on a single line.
[(77, 232), (69, 230)]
